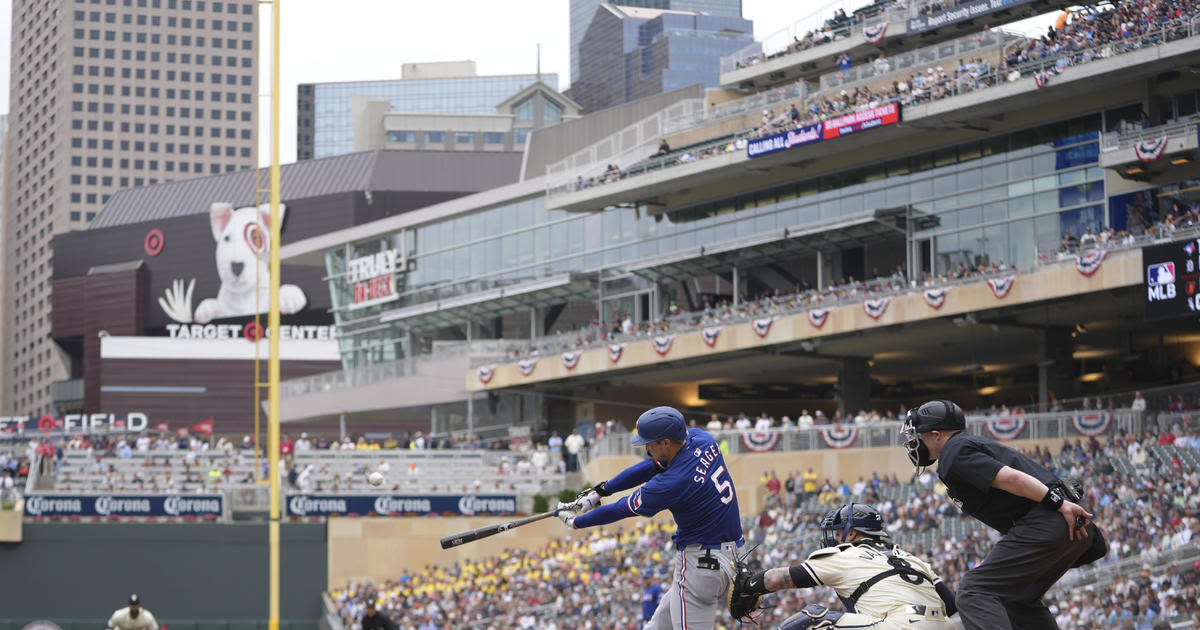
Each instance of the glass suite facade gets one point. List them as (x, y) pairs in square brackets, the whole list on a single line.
[(332, 126), (998, 199)]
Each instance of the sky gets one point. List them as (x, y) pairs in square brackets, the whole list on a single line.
[(354, 40)]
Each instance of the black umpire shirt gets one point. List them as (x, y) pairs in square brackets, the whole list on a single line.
[(968, 464), (378, 620)]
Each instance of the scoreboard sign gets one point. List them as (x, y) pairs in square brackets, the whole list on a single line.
[(373, 278), (1171, 277)]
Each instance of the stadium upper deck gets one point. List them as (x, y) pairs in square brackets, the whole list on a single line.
[(815, 44), (995, 163)]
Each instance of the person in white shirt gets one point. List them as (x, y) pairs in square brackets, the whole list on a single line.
[(714, 424), (303, 444), (573, 444), (1139, 403), (132, 617), (743, 423), (305, 479), (805, 421), (143, 443), (763, 423)]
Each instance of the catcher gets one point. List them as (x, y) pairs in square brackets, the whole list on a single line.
[(882, 586)]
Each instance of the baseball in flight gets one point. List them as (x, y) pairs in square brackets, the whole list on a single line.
[(376, 478)]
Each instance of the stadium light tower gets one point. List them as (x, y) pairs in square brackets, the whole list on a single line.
[(273, 331)]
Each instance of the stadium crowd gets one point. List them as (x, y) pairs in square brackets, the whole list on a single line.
[(723, 312), (1093, 32), (839, 26), (595, 579)]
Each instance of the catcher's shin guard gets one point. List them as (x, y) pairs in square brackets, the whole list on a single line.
[(812, 617)]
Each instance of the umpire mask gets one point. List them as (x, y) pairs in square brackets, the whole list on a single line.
[(918, 452)]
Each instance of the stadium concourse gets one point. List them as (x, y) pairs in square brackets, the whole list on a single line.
[(1144, 490)]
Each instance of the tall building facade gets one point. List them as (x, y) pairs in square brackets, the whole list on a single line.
[(107, 96), (582, 12), (629, 53), (325, 120)]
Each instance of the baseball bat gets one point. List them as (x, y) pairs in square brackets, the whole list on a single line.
[(454, 540)]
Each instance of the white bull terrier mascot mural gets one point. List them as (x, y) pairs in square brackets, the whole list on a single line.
[(242, 237)]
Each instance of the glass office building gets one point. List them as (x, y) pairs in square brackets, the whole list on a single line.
[(582, 12), (1001, 198), (629, 53), (325, 121)]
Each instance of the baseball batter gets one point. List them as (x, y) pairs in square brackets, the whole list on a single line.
[(882, 586), (685, 474)]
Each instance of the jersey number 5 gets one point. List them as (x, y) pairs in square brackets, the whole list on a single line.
[(724, 488)]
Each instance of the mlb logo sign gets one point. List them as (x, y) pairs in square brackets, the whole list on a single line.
[(1160, 273)]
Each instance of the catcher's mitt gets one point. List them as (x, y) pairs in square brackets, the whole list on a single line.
[(746, 591)]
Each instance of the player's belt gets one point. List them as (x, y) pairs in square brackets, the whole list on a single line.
[(727, 546), (932, 612)]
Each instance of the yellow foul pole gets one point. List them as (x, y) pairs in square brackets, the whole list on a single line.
[(273, 328)]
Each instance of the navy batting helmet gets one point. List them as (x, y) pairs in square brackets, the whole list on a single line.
[(659, 423), (861, 517)]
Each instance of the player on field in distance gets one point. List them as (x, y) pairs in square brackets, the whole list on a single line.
[(685, 474), (132, 617), (882, 586)]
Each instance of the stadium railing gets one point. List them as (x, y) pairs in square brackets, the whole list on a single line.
[(1050, 425), (913, 60), (790, 39), (1185, 127), (691, 321)]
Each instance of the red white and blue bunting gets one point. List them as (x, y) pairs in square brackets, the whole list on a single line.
[(1089, 263), (762, 327), (760, 441), (839, 436), (935, 298), (1150, 150), (817, 317), (1006, 428), (876, 307), (1001, 286), (874, 34), (614, 351), (662, 345), (1040, 79), (571, 359), (709, 335), (526, 366), (485, 373), (1091, 423)]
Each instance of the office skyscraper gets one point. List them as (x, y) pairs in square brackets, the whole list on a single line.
[(629, 53), (582, 12), (325, 126), (106, 96)]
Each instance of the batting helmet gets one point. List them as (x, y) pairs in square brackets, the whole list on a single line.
[(937, 415), (659, 423), (861, 517)]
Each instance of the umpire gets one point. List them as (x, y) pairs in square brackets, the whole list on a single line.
[(1044, 531)]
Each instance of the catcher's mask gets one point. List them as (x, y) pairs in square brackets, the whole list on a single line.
[(934, 415), (861, 517)]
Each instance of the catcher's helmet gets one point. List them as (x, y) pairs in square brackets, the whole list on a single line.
[(861, 517), (659, 423)]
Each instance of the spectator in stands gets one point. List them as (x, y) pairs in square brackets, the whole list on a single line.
[(573, 444), (303, 444), (663, 148)]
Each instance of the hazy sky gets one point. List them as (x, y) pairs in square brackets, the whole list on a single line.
[(352, 40)]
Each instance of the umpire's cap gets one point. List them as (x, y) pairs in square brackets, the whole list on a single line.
[(134, 599), (938, 415), (659, 423)]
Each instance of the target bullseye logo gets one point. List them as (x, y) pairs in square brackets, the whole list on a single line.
[(155, 241), (252, 331), (46, 424)]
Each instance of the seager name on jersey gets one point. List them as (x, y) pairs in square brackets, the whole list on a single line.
[(706, 457)]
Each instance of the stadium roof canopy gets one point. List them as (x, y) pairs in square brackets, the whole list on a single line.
[(378, 170)]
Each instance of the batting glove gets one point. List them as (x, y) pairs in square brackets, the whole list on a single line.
[(568, 518), (587, 502)]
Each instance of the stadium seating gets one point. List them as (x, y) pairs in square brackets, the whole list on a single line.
[(596, 574)]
